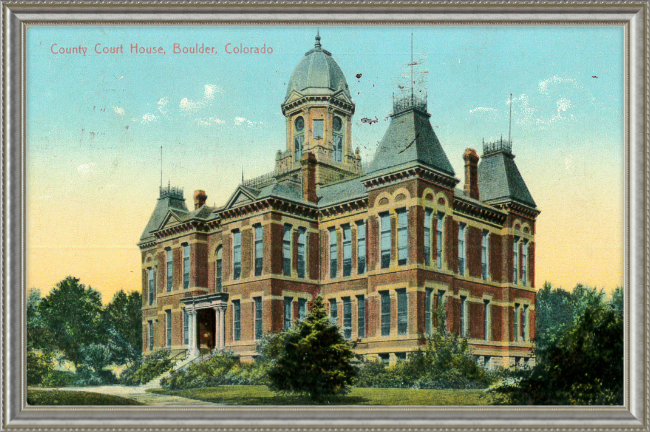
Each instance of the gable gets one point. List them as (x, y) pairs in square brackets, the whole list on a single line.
[(170, 220), (241, 196), (294, 96)]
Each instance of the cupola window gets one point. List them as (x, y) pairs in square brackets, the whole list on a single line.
[(299, 137), (337, 141)]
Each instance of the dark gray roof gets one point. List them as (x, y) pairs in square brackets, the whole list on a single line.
[(164, 205), (288, 190), (317, 73), (340, 192), (500, 180), (410, 139)]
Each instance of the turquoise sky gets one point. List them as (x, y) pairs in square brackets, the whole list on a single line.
[(95, 123)]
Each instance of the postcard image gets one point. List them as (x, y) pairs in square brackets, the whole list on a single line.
[(325, 215)]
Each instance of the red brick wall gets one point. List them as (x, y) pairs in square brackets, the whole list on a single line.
[(418, 308), (277, 231), (145, 288), (177, 254), (199, 264), (246, 252), (313, 255), (531, 325), (415, 234), (496, 255), (162, 270), (476, 319), (324, 257), (294, 250), (497, 322), (267, 248), (531, 263), (451, 243), (509, 258), (474, 238), (226, 262), (372, 244)]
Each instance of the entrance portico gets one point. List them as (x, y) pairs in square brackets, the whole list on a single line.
[(217, 302)]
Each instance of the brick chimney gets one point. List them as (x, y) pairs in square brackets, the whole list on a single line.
[(471, 173), (199, 199), (308, 163)]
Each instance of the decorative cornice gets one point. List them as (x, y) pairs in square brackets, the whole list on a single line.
[(342, 208), (478, 210), (324, 98), (443, 180), (269, 204)]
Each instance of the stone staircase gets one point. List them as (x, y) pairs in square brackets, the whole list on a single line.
[(155, 383)]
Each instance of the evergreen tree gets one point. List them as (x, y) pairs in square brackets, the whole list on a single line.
[(315, 359)]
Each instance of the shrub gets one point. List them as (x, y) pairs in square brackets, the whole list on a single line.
[(84, 376), (141, 372), (39, 365), (220, 369)]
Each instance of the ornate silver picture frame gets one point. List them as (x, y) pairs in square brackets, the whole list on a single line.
[(633, 17)]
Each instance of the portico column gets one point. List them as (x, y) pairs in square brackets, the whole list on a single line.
[(222, 333), (193, 348), (217, 322)]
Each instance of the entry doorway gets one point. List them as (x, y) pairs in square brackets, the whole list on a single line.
[(206, 319)]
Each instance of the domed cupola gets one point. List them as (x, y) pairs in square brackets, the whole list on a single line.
[(317, 74), (319, 109)]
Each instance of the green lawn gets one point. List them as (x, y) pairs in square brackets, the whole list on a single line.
[(261, 395), (65, 397)]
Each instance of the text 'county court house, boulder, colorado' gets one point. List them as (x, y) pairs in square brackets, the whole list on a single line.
[(384, 245)]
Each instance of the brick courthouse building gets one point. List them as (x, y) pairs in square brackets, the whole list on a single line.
[(384, 245)]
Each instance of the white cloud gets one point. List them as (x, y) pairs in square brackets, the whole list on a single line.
[(162, 103), (190, 106), (241, 120), (85, 169), (523, 112), (209, 121), (119, 111), (563, 105), (544, 84), (148, 118), (483, 110)]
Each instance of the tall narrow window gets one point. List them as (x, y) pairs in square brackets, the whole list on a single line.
[(402, 312), (347, 318), (186, 328), (286, 250), (427, 310), (302, 309), (461, 248), (288, 301), (347, 250), (427, 236), (302, 235), (402, 237), (334, 312), (442, 308), (298, 142), (515, 262), (218, 272), (259, 249), (361, 316), (152, 288), (515, 322), (236, 316), (484, 255), (361, 247), (317, 129), (236, 255), (170, 270), (525, 317), (186, 266), (524, 259), (258, 317), (385, 240), (168, 327), (337, 125), (439, 237), (385, 313), (299, 138), (338, 148), (487, 310), (151, 336), (333, 253), (463, 316)]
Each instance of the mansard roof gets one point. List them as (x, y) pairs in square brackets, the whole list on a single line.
[(342, 191), (499, 179), (171, 198), (410, 140)]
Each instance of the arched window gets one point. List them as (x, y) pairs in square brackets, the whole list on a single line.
[(218, 271), (299, 138)]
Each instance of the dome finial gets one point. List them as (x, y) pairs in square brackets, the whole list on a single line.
[(317, 45)]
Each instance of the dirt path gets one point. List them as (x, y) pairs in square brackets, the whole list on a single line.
[(137, 393)]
